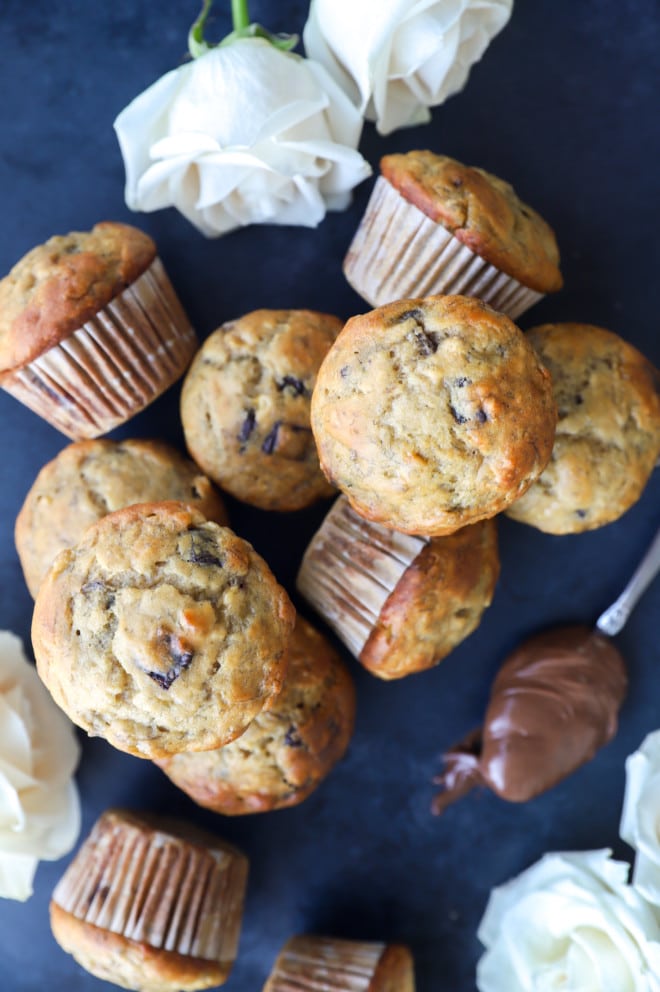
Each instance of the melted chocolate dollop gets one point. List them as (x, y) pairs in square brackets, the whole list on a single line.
[(553, 704)]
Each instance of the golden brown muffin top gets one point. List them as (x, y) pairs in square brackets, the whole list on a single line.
[(608, 432), (245, 406), (59, 285), (431, 414), (287, 750), (161, 631), (89, 479), (481, 211), (438, 601)]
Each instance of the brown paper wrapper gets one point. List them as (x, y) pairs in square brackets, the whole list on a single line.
[(323, 964), (350, 568), (398, 253), (153, 887), (114, 365)]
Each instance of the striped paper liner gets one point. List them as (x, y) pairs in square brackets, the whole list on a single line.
[(155, 888), (398, 252), (321, 964), (114, 365), (350, 568)]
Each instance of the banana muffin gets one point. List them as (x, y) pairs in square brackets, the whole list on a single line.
[(161, 631), (287, 750), (608, 432), (151, 904), (91, 330), (245, 407), (434, 226), (89, 479), (312, 964), (399, 603), (432, 414)]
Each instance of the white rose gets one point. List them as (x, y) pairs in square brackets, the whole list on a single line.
[(570, 923), (640, 819), (245, 134), (397, 58), (39, 806)]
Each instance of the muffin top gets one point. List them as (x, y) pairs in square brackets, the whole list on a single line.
[(245, 406), (608, 433), (481, 211), (89, 479), (161, 631), (430, 414), (59, 285), (437, 603), (287, 750)]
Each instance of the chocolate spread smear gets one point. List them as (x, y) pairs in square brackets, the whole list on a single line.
[(553, 704)]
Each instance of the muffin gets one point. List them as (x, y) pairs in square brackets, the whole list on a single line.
[(91, 330), (608, 433), (245, 407), (161, 631), (399, 603), (153, 905), (432, 414), (287, 750), (433, 226), (91, 478), (312, 964)]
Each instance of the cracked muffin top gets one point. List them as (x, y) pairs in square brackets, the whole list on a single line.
[(433, 413), (608, 432), (481, 211), (245, 406), (89, 479), (59, 285), (287, 750), (161, 631)]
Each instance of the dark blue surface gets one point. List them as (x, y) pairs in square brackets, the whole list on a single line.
[(564, 106)]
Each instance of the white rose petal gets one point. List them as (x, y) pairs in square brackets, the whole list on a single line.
[(571, 923), (640, 819), (245, 134), (397, 58), (39, 805)]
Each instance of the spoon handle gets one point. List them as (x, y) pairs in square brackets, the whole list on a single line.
[(613, 619)]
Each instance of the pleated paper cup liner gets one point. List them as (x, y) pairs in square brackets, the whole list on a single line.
[(323, 964), (399, 253), (349, 570), (114, 365), (152, 886)]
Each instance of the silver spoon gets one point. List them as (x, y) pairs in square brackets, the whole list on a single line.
[(612, 620)]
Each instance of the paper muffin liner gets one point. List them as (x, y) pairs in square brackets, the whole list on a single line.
[(398, 253), (155, 888), (350, 568), (321, 964), (112, 366)]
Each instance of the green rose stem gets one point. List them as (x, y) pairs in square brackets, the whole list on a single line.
[(243, 28)]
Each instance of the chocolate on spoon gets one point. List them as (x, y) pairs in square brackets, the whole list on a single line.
[(553, 704)]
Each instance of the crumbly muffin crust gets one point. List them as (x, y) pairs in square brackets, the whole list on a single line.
[(608, 433), (436, 604), (431, 414), (245, 406), (59, 285), (481, 211), (286, 751), (161, 631), (89, 479)]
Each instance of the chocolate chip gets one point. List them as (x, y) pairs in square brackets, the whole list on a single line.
[(270, 441), (481, 416), (344, 370), (247, 426), (457, 182), (581, 514), (181, 659), (289, 381), (414, 314), (462, 381), (579, 400), (427, 342), (292, 738), (458, 417), (203, 549), (96, 585)]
